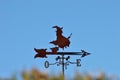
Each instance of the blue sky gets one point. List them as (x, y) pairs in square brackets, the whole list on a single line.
[(25, 24)]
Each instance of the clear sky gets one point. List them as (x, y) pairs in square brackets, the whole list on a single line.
[(25, 24)]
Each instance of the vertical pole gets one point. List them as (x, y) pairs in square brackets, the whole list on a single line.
[(63, 65)]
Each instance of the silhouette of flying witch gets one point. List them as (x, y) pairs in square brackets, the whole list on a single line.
[(60, 42)]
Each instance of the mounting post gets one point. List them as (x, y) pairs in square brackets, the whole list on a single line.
[(63, 65)]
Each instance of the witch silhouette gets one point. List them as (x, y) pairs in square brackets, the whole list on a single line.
[(61, 41)]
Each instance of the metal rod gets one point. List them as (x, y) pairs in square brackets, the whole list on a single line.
[(63, 65), (65, 53)]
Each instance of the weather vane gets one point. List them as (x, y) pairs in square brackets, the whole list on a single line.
[(60, 42)]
